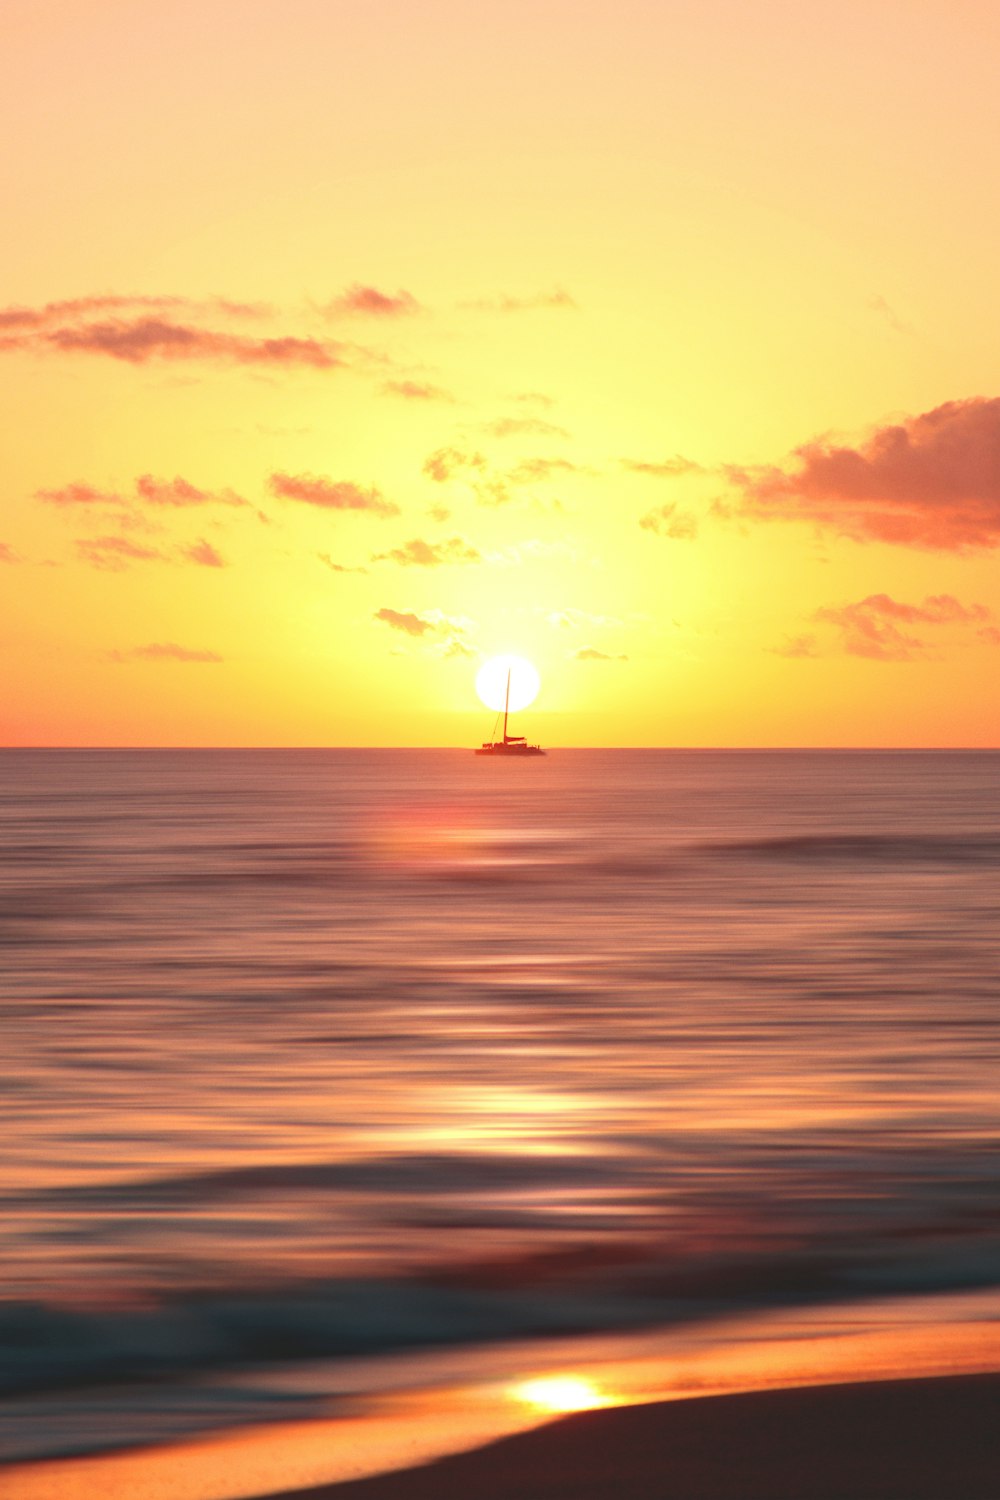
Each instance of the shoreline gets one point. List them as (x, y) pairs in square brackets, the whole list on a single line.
[(920, 1439), (468, 1406)]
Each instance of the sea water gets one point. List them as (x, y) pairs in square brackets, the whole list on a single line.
[(319, 1054)]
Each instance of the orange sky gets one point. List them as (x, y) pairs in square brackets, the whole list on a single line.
[(344, 342)]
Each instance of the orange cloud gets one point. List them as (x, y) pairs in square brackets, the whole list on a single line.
[(331, 494), (423, 554), (505, 304), (144, 339), (871, 627), (370, 301), (7, 553), (416, 390), (113, 553), (518, 426), (668, 468), (179, 492), (409, 624), (71, 308), (590, 653), (671, 521), (931, 481), (163, 651), (336, 567), (204, 555), (446, 462)]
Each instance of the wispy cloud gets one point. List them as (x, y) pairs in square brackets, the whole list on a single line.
[(7, 553), (113, 554), (879, 627), (416, 390), (805, 645), (203, 554), (498, 487), (590, 653), (167, 651), (370, 302), (145, 339), (557, 298), (405, 621), (336, 567), (930, 481), (70, 309), (331, 494), (440, 634), (666, 468), (505, 427), (671, 521), (139, 329), (180, 492), (421, 554), (879, 305), (444, 463)]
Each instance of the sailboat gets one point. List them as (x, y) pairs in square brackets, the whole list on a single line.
[(511, 744)]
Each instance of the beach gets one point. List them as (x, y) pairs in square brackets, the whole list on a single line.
[(894, 1440)]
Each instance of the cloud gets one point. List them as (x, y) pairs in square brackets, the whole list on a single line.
[(590, 653), (114, 553), (519, 426), (336, 567), (179, 492), (990, 634), (497, 488), (369, 301), (879, 305), (7, 553), (574, 619), (446, 462), (144, 339), (667, 468), (418, 553), (171, 492), (872, 627), (409, 624), (558, 298), (204, 554), (798, 646), (163, 651), (671, 521), (70, 309), (78, 494), (931, 481), (416, 390), (331, 494)]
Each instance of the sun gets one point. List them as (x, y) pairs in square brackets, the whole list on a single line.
[(491, 682)]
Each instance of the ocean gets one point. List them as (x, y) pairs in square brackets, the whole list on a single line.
[(312, 1055)]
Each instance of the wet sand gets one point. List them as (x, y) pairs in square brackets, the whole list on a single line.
[(927, 1439)]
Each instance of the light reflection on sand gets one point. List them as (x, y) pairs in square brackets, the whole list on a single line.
[(413, 1408)]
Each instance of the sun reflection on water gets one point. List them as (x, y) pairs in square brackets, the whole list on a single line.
[(561, 1393)]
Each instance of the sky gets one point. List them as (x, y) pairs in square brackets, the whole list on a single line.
[(346, 343)]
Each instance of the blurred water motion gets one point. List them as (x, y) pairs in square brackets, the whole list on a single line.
[(315, 1053)]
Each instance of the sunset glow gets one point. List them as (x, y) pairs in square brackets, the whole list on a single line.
[(647, 338), (507, 680), (562, 1393)]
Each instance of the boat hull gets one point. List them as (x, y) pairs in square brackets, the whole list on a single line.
[(509, 751)]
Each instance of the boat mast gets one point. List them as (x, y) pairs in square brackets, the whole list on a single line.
[(506, 706)]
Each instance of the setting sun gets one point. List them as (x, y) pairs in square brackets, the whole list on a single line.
[(491, 682)]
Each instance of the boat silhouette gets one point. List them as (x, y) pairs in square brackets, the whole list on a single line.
[(511, 744)]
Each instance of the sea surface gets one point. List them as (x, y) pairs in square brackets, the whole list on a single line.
[(324, 1054)]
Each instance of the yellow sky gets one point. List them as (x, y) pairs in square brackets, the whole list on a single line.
[(344, 342)]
